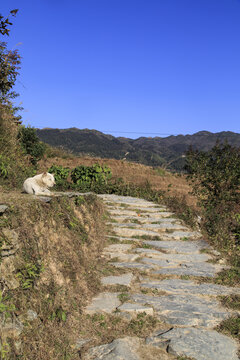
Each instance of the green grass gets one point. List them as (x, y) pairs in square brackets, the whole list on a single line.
[(231, 327)]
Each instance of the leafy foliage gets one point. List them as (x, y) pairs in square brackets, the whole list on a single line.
[(31, 144), (87, 175), (60, 174), (28, 274), (215, 177), (9, 62)]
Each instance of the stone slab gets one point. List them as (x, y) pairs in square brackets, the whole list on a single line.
[(3, 208), (191, 269), (118, 248), (124, 279), (175, 258), (104, 302), (133, 232), (136, 309), (124, 257), (185, 310), (120, 349), (132, 265), (178, 235), (141, 218), (178, 247), (198, 344), (178, 286)]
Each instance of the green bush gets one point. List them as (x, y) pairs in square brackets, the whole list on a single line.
[(60, 174), (215, 178), (86, 176), (31, 144), (3, 167)]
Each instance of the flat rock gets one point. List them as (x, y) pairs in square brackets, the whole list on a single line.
[(124, 231), (198, 344), (124, 279), (141, 218), (132, 265), (120, 349), (164, 226), (158, 262), (104, 302), (178, 247), (175, 258), (185, 310), (3, 208), (191, 269), (178, 286), (124, 257), (45, 199), (135, 308), (118, 248), (178, 235)]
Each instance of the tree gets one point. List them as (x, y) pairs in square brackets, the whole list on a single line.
[(31, 144), (9, 66)]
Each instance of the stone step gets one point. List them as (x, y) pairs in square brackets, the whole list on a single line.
[(198, 344), (177, 286), (178, 247), (185, 310)]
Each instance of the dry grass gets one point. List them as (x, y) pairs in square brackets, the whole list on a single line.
[(173, 184), (67, 240)]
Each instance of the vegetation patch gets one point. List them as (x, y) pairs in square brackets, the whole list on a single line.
[(230, 327), (54, 273), (230, 301)]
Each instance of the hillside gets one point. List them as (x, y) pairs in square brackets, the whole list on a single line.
[(155, 151)]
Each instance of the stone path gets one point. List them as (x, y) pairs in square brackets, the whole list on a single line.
[(157, 275)]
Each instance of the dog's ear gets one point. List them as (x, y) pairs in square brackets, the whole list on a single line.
[(44, 174)]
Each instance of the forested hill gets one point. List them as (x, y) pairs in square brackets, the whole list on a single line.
[(155, 151)]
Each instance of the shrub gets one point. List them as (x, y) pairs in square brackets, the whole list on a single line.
[(215, 177), (31, 144), (60, 174), (85, 176)]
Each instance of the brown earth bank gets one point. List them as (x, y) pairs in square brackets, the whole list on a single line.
[(50, 255), (130, 172)]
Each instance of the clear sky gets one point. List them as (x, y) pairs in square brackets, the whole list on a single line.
[(129, 67)]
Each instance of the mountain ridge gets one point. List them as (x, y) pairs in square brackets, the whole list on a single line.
[(155, 151)]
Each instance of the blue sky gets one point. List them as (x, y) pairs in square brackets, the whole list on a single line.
[(129, 67)]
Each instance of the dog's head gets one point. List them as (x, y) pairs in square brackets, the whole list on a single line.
[(48, 179)]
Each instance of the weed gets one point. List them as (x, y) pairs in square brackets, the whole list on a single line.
[(58, 314), (124, 297), (28, 274), (230, 326), (230, 301), (142, 322), (146, 246), (230, 277), (6, 308), (4, 350)]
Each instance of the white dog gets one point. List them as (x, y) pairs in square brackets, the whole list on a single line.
[(39, 184)]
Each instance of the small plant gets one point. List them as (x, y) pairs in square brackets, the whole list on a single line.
[(59, 314), (4, 350), (123, 297), (3, 167), (60, 174), (87, 175), (79, 200), (28, 274), (230, 326), (141, 323), (5, 308)]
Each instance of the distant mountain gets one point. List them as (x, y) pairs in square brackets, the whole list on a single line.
[(168, 151)]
